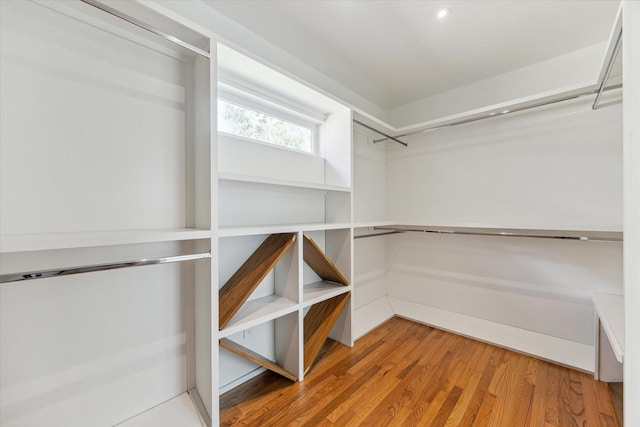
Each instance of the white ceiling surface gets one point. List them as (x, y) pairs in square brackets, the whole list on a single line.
[(397, 52)]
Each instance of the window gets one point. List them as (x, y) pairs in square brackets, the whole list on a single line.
[(256, 123)]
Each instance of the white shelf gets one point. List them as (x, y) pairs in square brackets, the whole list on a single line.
[(320, 291), (227, 176), (258, 311), (49, 241), (285, 228), (610, 311), (367, 224), (179, 411)]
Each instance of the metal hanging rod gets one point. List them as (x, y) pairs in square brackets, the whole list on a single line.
[(43, 274), (147, 27), (380, 132), (612, 60), (364, 236), (502, 113), (568, 235)]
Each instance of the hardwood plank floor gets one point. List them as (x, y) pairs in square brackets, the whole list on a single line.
[(407, 374)]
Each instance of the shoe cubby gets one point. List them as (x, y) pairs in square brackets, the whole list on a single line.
[(263, 286), (327, 264), (319, 320), (271, 345)]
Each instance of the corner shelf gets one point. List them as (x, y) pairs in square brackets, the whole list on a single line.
[(256, 358), (318, 324), (178, 411), (246, 279)]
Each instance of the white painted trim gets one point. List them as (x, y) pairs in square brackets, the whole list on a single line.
[(371, 316), (610, 312), (177, 411), (235, 383), (631, 137), (545, 347)]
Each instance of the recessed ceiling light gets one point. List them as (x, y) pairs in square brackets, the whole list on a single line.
[(505, 111), (443, 12)]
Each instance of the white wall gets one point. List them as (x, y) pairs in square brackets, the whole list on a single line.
[(560, 167), (631, 54), (533, 284), (369, 205), (557, 168), (369, 179)]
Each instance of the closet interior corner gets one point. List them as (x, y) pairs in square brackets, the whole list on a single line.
[(181, 214)]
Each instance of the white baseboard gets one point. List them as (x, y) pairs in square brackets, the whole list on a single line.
[(371, 316), (557, 350), (233, 384)]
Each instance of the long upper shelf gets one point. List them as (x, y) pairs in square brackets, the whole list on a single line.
[(587, 235), (228, 176), (283, 228), (85, 239)]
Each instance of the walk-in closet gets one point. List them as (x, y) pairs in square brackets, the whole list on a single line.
[(319, 213)]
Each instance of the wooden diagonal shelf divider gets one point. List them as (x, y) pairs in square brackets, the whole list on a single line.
[(318, 261), (318, 324), (239, 287), (256, 358)]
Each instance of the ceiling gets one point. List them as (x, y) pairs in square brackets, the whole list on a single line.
[(397, 52)]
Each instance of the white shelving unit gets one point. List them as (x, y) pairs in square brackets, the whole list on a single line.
[(113, 164), (260, 194)]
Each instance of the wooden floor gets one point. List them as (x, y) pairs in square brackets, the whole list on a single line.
[(407, 374)]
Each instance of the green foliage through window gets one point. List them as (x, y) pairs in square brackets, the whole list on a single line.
[(245, 122)]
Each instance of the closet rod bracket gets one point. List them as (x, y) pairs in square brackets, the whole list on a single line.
[(605, 78), (381, 133)]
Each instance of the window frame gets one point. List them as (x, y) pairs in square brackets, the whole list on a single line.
[(243, 95)]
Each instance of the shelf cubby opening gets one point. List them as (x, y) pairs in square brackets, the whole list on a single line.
[(318, 323), (279, 291), (326, 255), (272, 345)]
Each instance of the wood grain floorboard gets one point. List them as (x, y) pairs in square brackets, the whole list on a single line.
[(407, 374)]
